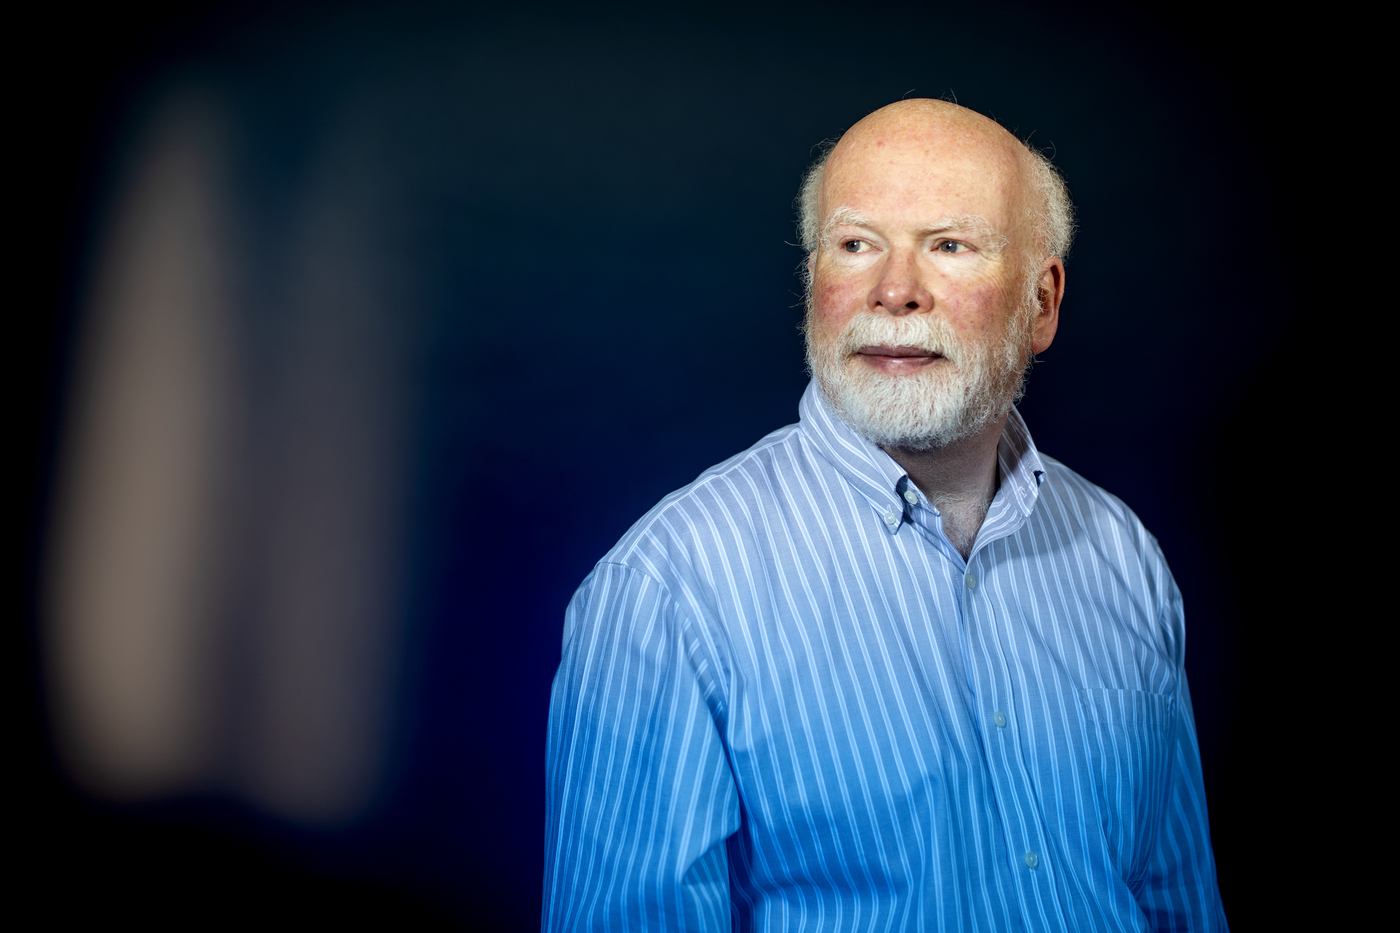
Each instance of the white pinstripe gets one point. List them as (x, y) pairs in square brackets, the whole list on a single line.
[(775, 712)]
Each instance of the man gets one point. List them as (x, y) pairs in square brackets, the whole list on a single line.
[(891, 668)]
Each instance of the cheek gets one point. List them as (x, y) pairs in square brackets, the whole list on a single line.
[(835, 299), (979, 308)]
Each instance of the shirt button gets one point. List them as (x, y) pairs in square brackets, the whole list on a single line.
[(1032, 860), (910, 497), (971, 581), (891, 518), (999, 719)]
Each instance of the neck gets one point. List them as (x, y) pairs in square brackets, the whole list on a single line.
[(960, 480)]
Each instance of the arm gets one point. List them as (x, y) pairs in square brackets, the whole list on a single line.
[(1180, 891), (640, 798)]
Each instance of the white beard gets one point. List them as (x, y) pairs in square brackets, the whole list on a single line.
[(973, 386)]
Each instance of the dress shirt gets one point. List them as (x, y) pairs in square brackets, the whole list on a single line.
[(786, 702)]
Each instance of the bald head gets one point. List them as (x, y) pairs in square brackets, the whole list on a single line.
[(957, 155)]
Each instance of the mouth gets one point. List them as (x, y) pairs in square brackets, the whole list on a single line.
[(902, 353), (898, 359)]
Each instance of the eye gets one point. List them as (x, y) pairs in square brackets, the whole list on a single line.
[(952, 246), (854, 246)]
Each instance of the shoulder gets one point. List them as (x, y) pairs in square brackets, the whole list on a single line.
[(1089, 520), (1076, 501), (717, 506), (1063, 485), (676, 567)]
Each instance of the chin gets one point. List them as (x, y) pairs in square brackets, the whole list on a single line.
[(921, 410)]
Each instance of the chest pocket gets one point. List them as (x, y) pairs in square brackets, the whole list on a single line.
[(1130, 735)]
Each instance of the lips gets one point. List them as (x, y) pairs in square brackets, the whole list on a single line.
[(899, 352)]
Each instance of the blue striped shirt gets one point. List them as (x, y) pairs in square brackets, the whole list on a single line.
[(786, 702)]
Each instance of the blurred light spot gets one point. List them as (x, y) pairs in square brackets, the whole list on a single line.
[(224, 610), (136, 558)]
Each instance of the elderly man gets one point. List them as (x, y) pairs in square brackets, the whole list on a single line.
[(891, 668)]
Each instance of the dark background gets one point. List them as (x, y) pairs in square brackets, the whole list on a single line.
[(588, 215)]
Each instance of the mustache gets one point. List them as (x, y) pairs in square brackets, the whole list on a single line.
[(920, 331)]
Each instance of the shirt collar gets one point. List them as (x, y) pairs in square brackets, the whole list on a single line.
[(1022, 477), (886, 486)]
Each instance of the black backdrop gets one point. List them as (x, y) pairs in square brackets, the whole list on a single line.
[(587, 212)]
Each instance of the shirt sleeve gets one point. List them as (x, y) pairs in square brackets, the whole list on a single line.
[(1180, 891), (640, 797)]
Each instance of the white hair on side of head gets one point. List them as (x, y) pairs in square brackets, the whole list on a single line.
[(808, 224), (1052, 220)]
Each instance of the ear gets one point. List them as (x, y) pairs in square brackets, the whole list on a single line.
[(1051, 293)]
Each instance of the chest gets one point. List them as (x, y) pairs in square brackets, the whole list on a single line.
[(901, 701), (901, 626)]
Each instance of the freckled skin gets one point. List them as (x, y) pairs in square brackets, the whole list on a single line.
[(903, 169)]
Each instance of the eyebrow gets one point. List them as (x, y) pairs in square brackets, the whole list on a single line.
[(995, 240)]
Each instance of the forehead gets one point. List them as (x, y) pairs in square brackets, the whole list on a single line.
[(920, 165)]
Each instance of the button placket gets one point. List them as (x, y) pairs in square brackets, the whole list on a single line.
[(1012, 776)]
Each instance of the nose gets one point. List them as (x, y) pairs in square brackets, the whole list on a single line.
[(900, 289)]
